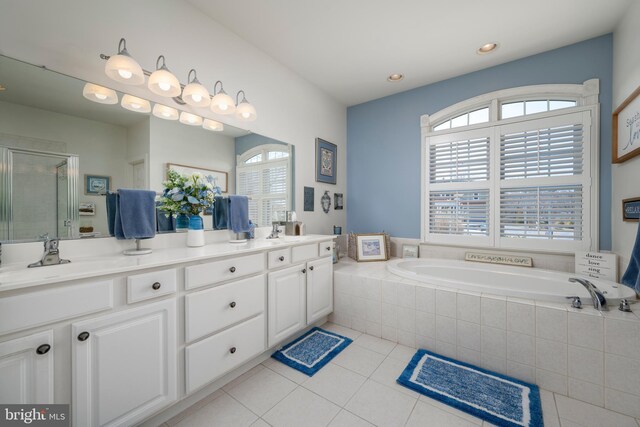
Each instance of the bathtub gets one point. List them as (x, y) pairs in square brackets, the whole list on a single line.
[(521, 282)]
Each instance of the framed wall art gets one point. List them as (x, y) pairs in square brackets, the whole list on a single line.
[(218, 178), (309, 193), (626, 129), (631, 209), (338, 201), (96, 184), (326, 161)]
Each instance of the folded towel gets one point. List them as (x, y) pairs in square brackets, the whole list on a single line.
[(239, 213), (164, 222), (220, 213), (136, 214), (112, 207), (631, 277)]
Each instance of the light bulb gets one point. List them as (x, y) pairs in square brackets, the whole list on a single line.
[(190, 119), (100, 96), (162, 82), (223, 107), (164, 86), (194, 93), (246, 115), (165, 113), (123, 68), (196, 97), (125, 74), (136, 104), (212, 125)]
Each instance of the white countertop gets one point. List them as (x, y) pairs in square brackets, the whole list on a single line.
[(18, 276)]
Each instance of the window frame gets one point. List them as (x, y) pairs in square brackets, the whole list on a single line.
[(586, 97)]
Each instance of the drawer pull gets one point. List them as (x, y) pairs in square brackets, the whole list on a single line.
[(281, 258), (304, 271), (233, 304), (83, 336), (232, 269), (328, 248), (232, 350), (43, 349), (311, 268), (156, 286)]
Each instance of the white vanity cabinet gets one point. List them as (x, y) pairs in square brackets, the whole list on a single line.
[(319, 289), (26, 369), (124, 365)]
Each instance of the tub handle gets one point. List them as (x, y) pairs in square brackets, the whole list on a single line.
[(575, 302)]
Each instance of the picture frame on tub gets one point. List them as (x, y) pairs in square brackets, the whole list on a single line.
[(371, 247), (410, 251)]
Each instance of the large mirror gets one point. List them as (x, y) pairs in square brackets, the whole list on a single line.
[(60, 153)]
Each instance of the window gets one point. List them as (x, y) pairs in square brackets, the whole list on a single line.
[(522, 180), (263, 174), (470, 118)]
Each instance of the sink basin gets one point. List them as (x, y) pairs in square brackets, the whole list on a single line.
[(16, 274)]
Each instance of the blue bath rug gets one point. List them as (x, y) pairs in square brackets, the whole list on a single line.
[(496, 398), (309, 353)]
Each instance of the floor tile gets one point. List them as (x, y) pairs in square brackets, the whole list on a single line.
[(359, 360), (450, 409), (567, 423), (381, 405), (302, 408), (242, 378), (262, 391), (194, 408), (335, 383), (590, 415), (375, 344), (286, 371), (260, 423), (387, 374), (427, 415), (224, 411), (341, 330), (347, 419), (549, 410), (402, 353)]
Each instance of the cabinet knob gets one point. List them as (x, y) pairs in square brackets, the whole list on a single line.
[(304, 271), (328, 248), (233, 304), (83, 336), (43, 349), (281, 258), (311, 268), (156, 286), (232, 350), (232, 269)]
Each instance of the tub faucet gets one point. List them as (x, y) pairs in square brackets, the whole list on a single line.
[(51, 254), (599, 301)]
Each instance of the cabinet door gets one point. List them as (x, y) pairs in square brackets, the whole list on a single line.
[(287, 302), (319, 289), (26, 369), (124, 365)]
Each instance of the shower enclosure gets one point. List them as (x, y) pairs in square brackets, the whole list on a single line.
[(38, 195)]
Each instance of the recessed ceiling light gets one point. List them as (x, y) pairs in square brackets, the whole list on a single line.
[(395, 77), (2, 87), (487, 48)]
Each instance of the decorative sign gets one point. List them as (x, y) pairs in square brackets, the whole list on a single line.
[(626, 129), (522, 261), (597, 265), (631, 209)]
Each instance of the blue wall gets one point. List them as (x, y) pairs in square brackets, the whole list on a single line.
[(383, 136)]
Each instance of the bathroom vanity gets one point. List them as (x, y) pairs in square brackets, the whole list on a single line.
[(123, 338)]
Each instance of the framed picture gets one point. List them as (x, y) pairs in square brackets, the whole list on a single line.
[(96, 184), (326, 161), (87, 209), (410, 251), (371, 247), (338, 201), (309, 193), (631, 209), (218, 178), (626, 129)]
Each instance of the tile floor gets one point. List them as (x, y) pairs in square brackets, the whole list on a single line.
[(357, 388)]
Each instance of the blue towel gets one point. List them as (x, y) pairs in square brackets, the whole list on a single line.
[(239, 213), (112, 207), (220, 213), (164, 222), (631, 277), (135, 215)]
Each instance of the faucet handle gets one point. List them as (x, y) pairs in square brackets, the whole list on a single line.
[(575, 301), (625, 305)]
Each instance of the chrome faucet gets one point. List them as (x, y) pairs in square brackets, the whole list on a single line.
[(599, 301), (275, 231), (51, 254)]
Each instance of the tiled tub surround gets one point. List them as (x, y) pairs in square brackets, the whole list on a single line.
[(583, 354)]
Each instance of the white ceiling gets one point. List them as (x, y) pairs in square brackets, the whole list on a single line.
[(348, 47)]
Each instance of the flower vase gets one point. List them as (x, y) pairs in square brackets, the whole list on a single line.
[(182, 222), (195, 233)]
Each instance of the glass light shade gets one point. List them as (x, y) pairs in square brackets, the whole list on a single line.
[(196, 95), (223, 104), (213, 125), (162, 82), (99, 94), (164, 112), (190, 119), (246, 112), (133, 103), (124, 69)]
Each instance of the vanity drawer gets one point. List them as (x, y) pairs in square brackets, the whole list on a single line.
[(151, 285), (200, 275), (215, 356), (304, 252), (279, 258), (48, 306), (216, 308), (325, 248)]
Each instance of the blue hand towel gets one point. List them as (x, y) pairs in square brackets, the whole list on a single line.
[(631, 277), (112, 207), (165, 222), (136, 214), (220, 213), (239, 213)]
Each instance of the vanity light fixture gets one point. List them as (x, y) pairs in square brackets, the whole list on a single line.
[(194, 93), (123, 68), (245, 111), (396, 77), (99, 94), (487, 48), (164, 112), (162, 82), (133, 103), (221, 102), (190, 119), (213, 125), (3, 88)]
